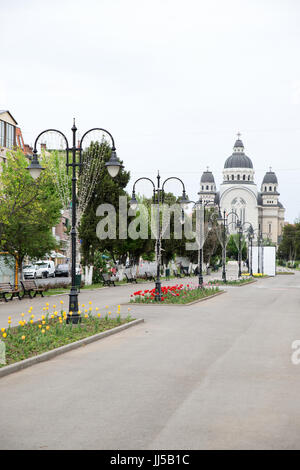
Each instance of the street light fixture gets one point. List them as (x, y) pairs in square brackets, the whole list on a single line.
[(158, 198), (113, 166)]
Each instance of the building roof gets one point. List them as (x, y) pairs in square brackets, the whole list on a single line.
[(270, 177), (238, 159), (207, 177), (2, 111)]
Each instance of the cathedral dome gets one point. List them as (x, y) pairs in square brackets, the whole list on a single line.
[(270, 177), (238, 159), (207, 177)]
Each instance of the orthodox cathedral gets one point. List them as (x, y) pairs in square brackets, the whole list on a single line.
[(239, 194)]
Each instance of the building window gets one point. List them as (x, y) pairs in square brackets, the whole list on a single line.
[(232, 177), (238, 177), (228, 177), (265, 188), (248, 177), (244, 177), (1, 134), (270, 228), (270, 188), (10, 136)]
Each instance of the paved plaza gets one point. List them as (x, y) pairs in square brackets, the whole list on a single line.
[(213, 375)]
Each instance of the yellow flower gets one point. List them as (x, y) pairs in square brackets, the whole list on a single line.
[(31, 321), (43, 322), (32, 316), (86, 316), (9, 318), (40, 326), (109, 313), (23, 337), (99, 315), (4, 335), (43, 317), (85, 311), (43, 331), (3, 330), (90, 303), (47, 327), (52, 316), (54, 306), (97, 309), (47, 305), (106, 306), (90, 309), (22, 314), (70, 313), (61, 301), (44, 308), (119, 306), (82, 305), (9, 322)]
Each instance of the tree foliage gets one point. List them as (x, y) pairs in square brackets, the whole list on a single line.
[(28, 210)]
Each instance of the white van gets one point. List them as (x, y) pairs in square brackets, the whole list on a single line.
[(44, 268)]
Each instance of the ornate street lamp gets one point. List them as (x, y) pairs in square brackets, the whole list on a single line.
[(113, 166), (158, 198)]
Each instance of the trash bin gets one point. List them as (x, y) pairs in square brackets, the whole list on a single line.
[(167, 272), (78, 281)]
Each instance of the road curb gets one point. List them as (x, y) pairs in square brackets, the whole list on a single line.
[(17, 366), (158, 304)]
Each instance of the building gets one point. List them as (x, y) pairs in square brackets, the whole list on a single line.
[(10, 135), (239, 194)]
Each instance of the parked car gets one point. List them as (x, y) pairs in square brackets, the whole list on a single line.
[(62, 270), (39, 269)]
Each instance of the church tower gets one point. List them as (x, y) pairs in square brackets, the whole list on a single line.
[(207, 187)]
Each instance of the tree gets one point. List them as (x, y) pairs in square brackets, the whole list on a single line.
[(28, 211), (106, 190), (289, 248)]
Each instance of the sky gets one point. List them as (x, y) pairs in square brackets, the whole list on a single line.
[(173, 81)]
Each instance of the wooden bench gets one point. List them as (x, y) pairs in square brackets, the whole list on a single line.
[(176, 273), (107, 280), (149, 276), (8, 288), (31, 289), (130, 278)]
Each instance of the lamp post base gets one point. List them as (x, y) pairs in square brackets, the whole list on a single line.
[(158, 291), (73, 307)]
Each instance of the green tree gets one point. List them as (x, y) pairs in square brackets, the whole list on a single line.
[(28, 212), (289, 248)]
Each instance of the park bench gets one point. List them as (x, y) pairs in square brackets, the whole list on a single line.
[(176, 273), (31, 289), (149, 276), (107, 280), (8, 288), (130, 278)]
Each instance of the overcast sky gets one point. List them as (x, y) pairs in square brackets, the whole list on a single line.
[(173, 81)]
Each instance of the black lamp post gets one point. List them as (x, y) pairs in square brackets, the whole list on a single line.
[(113, 166), (222, 221), (158, 198), (250, 238)]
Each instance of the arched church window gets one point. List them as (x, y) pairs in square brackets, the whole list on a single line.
[(270, 188), (265, 188), (244, 177), (238, 177), (232, 177), (207, 188)]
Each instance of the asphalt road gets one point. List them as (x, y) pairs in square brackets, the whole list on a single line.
[(214, 375)]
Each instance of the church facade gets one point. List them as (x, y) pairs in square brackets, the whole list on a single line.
[(238, 193)]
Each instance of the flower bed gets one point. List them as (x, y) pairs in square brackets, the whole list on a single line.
[(235, 282), (177, 294), (51, 331)]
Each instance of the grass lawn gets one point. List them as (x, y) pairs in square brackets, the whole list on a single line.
[(177, 294), (51, 331), (236, 282)]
